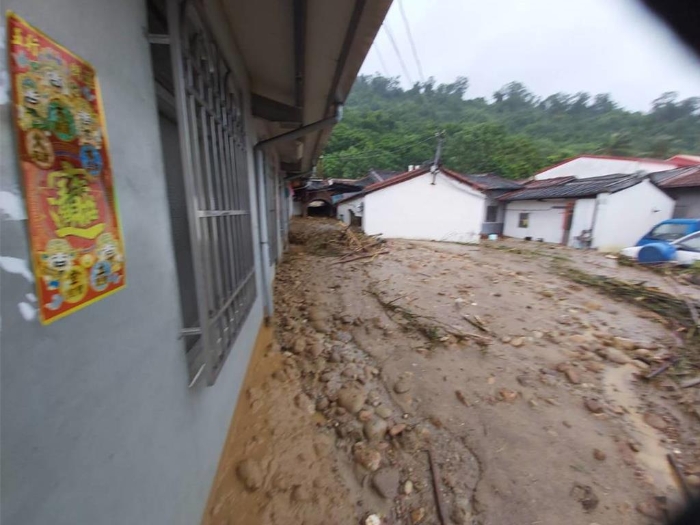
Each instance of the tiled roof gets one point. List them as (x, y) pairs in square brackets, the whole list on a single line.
[(574, 188), (679, 178), (685, 160), (491, 181), (384, 174)]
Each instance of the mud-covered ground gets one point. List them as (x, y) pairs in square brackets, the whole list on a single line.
[(534, 413)]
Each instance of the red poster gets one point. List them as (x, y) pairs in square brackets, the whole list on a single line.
[(74, 232)]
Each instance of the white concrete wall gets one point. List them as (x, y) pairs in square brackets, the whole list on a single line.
[(585, 167), (584, 210), (416, 209), (546, 220), (625, 216), (344, 208)]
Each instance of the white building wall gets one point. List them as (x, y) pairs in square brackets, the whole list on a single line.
[(545, 221), (344, 208), (585, 167), (584, 211), (417, 209), (625, 216)]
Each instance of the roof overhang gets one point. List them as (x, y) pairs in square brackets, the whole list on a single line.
[(302, 57)]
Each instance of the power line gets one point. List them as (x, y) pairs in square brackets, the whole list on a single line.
[(382, 152), (410, 39), (386, 27), (381, 59)]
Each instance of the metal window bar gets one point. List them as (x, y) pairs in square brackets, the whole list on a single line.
[(271, 191), (214, 158)]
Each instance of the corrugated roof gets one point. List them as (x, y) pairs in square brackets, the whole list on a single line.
[(574, 188), (679, 178), (491, 181)]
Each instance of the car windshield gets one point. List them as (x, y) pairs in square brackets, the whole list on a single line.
[(668, 231), (690, 243)]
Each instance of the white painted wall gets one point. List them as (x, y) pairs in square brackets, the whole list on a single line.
[(417, 209), (625, 216), (546, 220), (585, 167), (343, 211), (584, 210)]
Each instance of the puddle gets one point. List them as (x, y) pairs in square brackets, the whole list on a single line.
[(619, 390)]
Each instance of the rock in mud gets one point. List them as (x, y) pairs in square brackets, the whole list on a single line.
[(299, 346), (386, 482), (397, 429), (655, 421), (585, 496), (462, 398), (383, 411), (408, 487), (300, 494), (402, 386), (305, 404), (599, 454), (461, 512), (417, 515), (614, 355), (594, 406), (573, 376), (650, 509), (322, 404), (352, 399), (517, 342), (351, 430), (250, 473), (314, 349), (368, 458), (375, 429), (622, 343)]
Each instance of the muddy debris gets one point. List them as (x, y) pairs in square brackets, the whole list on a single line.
[(599, 454), (655, 421), (585, 495), (352, 399), (250, 473), (594, 406), (386, 482)]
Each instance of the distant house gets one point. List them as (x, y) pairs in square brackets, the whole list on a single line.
[(585, 166), (685, 160), (607, 212), (683, 185), (440, 206)]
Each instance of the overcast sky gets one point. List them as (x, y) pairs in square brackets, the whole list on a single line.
[(598, 46)]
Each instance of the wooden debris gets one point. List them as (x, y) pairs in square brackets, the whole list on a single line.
[(690, 383), (442, 514), (661, 369)]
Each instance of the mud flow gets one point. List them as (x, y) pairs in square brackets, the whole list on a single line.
[(406, 382)]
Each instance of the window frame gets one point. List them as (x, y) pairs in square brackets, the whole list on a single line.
[(523, 219)]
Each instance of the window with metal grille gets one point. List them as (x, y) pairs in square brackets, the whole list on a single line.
[(491, 213), (214, 153), (271, 191)]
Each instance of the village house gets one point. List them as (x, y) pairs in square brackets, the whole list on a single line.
[(585, 166), (683, 185), (118, 412), (606, 212), (439, 205)]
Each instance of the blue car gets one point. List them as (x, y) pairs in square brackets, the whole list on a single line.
[(670, 230)]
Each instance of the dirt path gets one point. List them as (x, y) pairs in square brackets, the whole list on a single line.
[(541, 418)]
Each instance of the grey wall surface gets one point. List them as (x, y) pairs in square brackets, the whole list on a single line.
[(687, 202), (97, 423)]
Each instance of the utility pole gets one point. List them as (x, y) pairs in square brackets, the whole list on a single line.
[(440, 135)]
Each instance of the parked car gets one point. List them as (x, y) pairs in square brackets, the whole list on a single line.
[(670, 230), (684, 251)]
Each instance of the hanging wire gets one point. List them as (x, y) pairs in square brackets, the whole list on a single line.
[(381, 58), (413, 44), (386, 27)]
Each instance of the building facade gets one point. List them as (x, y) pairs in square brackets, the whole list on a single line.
[(118, 412)]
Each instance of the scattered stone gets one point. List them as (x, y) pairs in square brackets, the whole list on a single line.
[(299, 346), (365, 415), (655, 421), (461, 513), (351, 430), (303, 402), (537, 334), (573, 376), (599, 454), (640, 364), (402, 386), (250, 473), (585, 496), (352, 399), (375, 429), (417, 515), (373, 519), (614, 355), (368, 458), (518, 342), (634, 446), (383, 411), (397, 429), (650, 509), (594, 406), (322, 404), (507, 395), (386, 482), (578, 339), (693, 480), (643, 353), (594, 366), (408, 487), (524, 380), (343, 336), (622, 343), (315, 349), (506, 339)]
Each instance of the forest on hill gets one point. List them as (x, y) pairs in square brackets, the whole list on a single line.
[(515, 133)]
